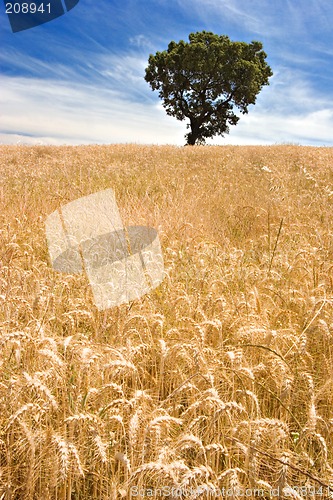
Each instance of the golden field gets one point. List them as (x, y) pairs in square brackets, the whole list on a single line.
[(219, 380)]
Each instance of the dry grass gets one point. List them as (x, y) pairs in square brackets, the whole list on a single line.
[(221, 377)]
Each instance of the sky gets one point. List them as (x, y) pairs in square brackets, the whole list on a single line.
[(79, 79)]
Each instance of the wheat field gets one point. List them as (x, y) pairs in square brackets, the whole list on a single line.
[(219, 381)]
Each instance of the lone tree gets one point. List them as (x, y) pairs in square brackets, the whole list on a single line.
[(204, 79)]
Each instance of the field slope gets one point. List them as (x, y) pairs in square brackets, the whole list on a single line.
[(220, 378)]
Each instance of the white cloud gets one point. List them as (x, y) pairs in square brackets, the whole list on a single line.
[(141, 41), (264, 128), (47, 111), (55, 112), (254, 16), (124, 73), (289, 110), (266, 18), (117, 105)]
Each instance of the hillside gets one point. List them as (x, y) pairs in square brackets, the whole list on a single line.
[(219, 378)]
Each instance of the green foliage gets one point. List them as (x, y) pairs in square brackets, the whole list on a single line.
[(204, 79)]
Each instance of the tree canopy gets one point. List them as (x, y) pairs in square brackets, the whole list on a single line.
[(203, 80)]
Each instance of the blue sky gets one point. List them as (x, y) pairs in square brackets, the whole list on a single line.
[(80, 78)]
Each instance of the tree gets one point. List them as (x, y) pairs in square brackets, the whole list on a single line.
[(204, 79)]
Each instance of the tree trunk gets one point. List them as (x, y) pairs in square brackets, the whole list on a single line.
[(194, 135), (191, 139)]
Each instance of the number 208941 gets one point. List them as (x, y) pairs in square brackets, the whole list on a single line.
[(28, 8)]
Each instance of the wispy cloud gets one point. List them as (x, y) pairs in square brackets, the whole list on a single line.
[(76, 112), (34, 110), (95, 92), (124, 72), (289, 110), (141, 41), (264, 128), (267, 18)]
